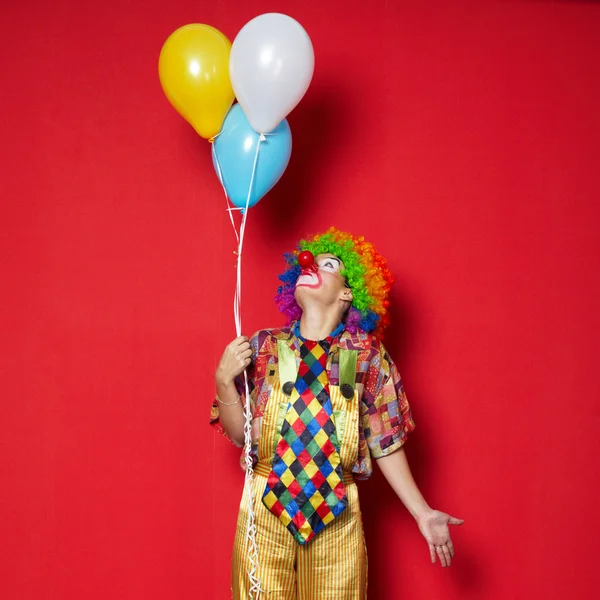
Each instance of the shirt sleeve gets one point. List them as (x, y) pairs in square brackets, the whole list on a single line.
[(241, 390), (386, 415)]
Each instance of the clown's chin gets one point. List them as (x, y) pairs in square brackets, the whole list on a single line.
[(306, 294)]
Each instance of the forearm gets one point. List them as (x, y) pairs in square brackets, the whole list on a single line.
[(231, 411), (397, 472)]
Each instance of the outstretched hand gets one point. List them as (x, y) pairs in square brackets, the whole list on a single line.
[(434, 527)]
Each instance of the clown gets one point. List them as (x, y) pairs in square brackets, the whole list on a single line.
[(326, 400)]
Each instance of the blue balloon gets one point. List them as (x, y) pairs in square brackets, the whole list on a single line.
[(234, 153)]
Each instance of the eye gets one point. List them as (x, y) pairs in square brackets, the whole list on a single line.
[(327, 264)]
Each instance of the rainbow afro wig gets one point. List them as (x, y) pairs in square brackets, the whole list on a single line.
[(364, 269)]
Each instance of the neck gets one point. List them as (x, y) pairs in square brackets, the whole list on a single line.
[(315, 325)]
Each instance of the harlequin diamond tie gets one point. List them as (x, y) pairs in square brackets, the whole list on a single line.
[(305, 487)]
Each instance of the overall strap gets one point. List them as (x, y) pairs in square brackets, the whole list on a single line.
[(288, 368), (348, 359)]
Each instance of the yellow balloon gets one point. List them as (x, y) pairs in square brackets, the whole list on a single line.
[(193, 68)]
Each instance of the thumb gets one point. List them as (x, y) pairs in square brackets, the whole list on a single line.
[(455, 521)]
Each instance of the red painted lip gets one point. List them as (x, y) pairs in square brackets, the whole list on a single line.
[(310, 285)]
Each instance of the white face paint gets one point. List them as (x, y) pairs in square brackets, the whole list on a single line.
[(310, 278)]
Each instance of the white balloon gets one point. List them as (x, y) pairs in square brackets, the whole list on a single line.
[(270, 67)]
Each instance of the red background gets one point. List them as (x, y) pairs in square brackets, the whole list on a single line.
[(461, 137)]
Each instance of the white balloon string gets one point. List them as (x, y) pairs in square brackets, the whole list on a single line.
[(242, 231), (220, 176), (255, 584)]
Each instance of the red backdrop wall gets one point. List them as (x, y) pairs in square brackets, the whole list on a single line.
[(461, 137)]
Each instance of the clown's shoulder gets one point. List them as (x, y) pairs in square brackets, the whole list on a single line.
[(268, 336), (274, 332), (367, 342)]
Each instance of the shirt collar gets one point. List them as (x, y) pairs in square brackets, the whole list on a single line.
[(341, 339), (334, 334)]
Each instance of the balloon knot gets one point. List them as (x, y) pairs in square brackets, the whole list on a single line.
[(211, 140)]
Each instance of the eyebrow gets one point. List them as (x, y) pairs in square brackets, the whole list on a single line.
[(333, 258)]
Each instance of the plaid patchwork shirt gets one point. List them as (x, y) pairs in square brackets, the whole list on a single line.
[(386, 417)]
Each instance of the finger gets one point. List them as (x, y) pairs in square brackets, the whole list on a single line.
[(246, 353), (455, 521), (239, 341), (440, 553), (451, 548), (237, 351), (242, 362), (242, 349), (446, 552), (432, 553)]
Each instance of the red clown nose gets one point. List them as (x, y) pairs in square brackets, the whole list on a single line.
[(306, 259)]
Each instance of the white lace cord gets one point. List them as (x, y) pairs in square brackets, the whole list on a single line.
[(220, 176), (255, 584)]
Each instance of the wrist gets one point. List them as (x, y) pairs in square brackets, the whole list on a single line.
[(423, 513), (222, 380)]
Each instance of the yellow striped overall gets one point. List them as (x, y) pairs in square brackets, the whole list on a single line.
[(333, 566)]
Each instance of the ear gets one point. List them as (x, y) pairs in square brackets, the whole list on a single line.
[(347, 295)]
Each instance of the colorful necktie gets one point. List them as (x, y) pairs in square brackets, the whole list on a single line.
[(305, 488)]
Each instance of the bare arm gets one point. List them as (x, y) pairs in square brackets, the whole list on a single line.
[(432, 523), (395, 469), (235, 359), (231, 411)]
